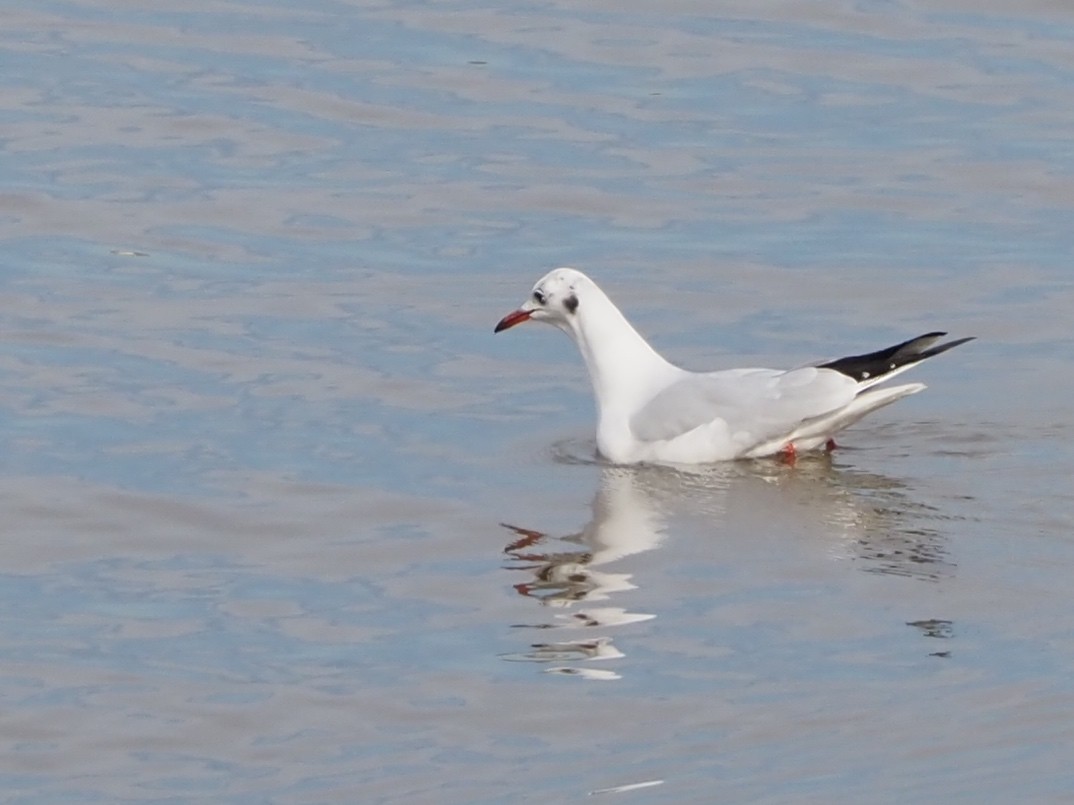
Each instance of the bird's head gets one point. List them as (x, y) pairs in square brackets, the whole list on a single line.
[(557, 299)]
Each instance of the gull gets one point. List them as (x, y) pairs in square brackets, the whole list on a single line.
[(651, 411)]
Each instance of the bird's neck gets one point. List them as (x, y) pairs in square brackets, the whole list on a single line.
[(624, 369)]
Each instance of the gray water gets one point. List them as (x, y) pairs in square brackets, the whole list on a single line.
[(285, 522)]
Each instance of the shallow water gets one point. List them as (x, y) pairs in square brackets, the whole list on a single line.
[(285, 522)]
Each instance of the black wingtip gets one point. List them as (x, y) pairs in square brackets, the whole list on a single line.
[(944, 347), (877, 364)]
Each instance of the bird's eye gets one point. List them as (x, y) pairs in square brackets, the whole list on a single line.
[(538, 297)]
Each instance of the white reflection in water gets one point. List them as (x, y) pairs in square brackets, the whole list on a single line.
[(855, 516), (624, 522), (622, 789)]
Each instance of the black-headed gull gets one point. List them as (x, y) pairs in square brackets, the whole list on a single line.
[(652, 411)]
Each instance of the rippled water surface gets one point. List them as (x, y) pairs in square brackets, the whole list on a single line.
[(285, 522)]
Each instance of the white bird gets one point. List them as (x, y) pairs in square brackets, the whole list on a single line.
[(650, 410)]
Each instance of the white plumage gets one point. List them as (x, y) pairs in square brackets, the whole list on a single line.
[(650, 410)]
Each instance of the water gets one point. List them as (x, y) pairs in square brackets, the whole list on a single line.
[(284, 522)]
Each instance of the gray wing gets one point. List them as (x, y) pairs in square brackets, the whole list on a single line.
[(764, 403)]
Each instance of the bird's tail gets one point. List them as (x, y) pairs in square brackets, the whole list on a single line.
[(876, 367)]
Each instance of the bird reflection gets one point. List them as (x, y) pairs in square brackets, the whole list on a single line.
[(570, 570), (624, 523), (871, 518), (861, 517)]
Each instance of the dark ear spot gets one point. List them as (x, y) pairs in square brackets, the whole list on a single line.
[(571, 303)]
